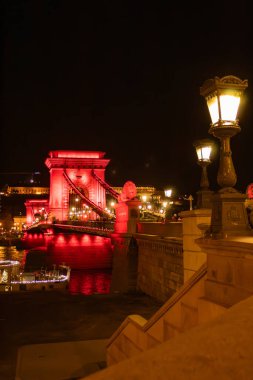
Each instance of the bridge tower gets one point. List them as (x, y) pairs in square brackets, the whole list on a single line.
[(77, 175)]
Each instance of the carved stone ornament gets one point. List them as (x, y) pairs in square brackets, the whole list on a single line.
[(129, 192)]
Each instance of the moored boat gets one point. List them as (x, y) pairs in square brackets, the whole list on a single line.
[(13, 279)]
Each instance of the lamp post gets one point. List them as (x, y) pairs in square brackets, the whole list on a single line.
[(223, 99), (204, 149)]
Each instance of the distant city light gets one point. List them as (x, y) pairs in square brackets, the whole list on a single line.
[(168, 192)]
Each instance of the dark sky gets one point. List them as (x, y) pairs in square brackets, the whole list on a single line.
[(122, 77)]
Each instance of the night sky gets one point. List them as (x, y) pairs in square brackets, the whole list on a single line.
[(122, 77)]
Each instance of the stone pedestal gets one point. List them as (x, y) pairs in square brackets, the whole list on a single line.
[(125, 263), (125, 249), (229, 216), (195, 222), (229, 269), (127, 216)]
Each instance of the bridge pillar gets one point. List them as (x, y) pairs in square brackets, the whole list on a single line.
[(36, 207), (72, 172), (125, 263), (127, 216), (125, 248)]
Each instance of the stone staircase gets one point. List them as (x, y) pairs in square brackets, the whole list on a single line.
[(218, 349), (185, 309)]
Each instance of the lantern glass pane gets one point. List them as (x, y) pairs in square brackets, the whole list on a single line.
[(229, 106), (206, 152), (212, 104), (199, 154)]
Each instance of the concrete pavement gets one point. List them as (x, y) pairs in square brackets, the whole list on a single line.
[(58, 361)]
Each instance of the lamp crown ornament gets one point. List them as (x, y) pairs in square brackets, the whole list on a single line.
[(227, 82)]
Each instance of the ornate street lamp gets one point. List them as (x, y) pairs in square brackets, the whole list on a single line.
[(204, 149), (223, 99)]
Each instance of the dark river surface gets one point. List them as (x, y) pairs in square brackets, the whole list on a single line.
[(89, 257)]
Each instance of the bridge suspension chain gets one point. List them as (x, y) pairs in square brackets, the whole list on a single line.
[(105, 185), (98, 210)]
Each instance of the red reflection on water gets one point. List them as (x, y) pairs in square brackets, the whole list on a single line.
[(32, 240), (86, 239), (89, 257), (80, 251), (90, 260), (90, 282), (61, 239)]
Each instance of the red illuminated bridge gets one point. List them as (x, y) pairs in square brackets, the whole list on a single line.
[(77, 183)]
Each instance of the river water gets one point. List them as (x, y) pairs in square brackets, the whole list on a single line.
[(89, 257)]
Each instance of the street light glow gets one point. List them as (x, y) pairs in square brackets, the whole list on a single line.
[(203, 149), (168, 192), (223, 98), (204, 153), (229, 105)]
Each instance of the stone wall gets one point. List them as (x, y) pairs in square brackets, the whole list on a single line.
[(160, 265)]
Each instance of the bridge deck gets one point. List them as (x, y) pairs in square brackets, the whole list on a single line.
[(84, 229)]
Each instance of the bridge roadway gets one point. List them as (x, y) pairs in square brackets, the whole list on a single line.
[(101, 231)]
